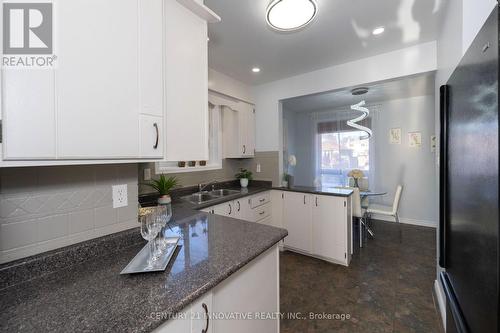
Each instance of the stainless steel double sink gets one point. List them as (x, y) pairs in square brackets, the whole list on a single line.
[(208, 196)]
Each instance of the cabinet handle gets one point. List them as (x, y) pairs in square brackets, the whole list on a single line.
[(205, 307), (262, 213), (244, 149), (239, 205), (304, 199), (316, 201), (262, 200), (230, 209), (155, 146)]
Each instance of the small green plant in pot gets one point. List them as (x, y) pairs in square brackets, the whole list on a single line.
[(244, 176), (163, 186)]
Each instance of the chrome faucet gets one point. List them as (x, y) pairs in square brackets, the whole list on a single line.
[(201, 187)]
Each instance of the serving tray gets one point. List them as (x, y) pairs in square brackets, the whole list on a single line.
[(139, 263)]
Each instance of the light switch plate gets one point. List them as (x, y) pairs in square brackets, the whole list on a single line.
[(120, 196)]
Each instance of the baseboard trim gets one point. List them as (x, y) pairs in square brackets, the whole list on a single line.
[(422, 223), (438, 290)]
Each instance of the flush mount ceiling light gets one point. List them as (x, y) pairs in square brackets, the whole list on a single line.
[(290, 15), (256, 69), (378, 31)]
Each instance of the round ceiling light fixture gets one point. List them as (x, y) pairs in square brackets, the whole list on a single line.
[(290, 15), (378, 31), (359, 91), (256, 69)]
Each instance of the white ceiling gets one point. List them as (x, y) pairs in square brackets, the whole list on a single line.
[(340, 33), (418, 85)]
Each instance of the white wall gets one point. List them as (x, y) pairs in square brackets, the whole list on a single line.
[(475, 13), (400, 164), (44, 208), (226, 85), (412, 60), (392, 164)]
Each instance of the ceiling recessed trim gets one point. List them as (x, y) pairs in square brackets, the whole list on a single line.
[(290, 15)]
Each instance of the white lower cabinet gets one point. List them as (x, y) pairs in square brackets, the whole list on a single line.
[(253, 291), (330, 228), (255, 208), (297, 215), (318, 225), (237, 304)]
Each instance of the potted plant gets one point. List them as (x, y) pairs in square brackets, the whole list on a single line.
[(356, 174), (244, 176), (286, 177), (163, 185)]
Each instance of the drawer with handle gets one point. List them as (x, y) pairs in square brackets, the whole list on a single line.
[(261, 212), (260, 199)]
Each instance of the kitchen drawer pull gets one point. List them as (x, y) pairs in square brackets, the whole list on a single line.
[(262, 200), (262, 213), (155, 146), (239, 205), (230, 209), (244, 149), (205, 307)]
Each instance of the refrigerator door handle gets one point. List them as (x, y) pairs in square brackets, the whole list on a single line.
[(443, 172)]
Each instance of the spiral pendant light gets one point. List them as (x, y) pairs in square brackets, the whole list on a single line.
[(353, 123)]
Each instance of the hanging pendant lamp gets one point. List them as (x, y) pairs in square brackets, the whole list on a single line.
[(353, 123)]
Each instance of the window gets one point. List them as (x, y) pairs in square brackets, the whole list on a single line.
[(214, 147), (340, 152)]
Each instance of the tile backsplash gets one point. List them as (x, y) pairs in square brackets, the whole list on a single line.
[(44, 208)]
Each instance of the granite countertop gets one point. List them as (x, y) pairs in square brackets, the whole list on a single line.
[(80, 289), (338, 192)]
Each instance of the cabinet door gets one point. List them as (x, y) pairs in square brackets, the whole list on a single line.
[(277, 198), (225, 209), (151, 57), (151, 135), (200, 314), (29, 114), (329, 227), (186, 89), (242, 209), (248, 131), (297, 216), (231, 132), (253, 289), (97, 79)]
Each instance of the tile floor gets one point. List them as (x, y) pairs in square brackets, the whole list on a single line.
[(387, 287)]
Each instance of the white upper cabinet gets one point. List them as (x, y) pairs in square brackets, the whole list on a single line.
[(238, 128), (103, 95), (97, 79), (186, 70)]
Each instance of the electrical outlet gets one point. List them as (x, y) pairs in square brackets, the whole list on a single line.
[(258, 167), (147, 174), (120, 197)]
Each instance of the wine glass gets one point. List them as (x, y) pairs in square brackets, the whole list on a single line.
[(149, 230)]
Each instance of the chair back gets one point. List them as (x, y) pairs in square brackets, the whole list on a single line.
[(397, 198), (356, 203)]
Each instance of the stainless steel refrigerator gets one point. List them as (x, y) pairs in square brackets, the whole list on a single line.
[(469, 201)]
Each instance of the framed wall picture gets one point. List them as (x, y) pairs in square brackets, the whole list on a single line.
[(414, 139), (395, 136)]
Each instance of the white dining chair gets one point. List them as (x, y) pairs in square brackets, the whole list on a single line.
[(359, 212), (387, 210)]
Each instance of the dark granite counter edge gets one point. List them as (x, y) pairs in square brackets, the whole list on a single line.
[(312, 191), (215, 282)]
